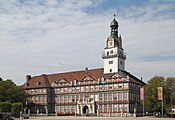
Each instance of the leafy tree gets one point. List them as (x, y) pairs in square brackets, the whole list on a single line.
[(169, 93), (151, 98), (11, 92)]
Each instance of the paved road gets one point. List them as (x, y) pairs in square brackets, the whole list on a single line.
[(99, 118)]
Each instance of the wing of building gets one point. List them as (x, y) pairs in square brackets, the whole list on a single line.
[(107, 91)]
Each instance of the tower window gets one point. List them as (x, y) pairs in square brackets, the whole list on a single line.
[(110, 70), (107, 53), (120, 62), (111, 52), (110, 62)]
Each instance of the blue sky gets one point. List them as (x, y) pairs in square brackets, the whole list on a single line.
[(50, 36)]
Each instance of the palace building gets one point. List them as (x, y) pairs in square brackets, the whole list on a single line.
[(107, 91)]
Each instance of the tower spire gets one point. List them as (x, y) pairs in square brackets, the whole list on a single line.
[(114, 26)]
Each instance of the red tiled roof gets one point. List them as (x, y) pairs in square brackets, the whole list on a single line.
[(46, 80)]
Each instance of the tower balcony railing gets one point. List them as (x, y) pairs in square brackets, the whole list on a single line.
[(105, 56)]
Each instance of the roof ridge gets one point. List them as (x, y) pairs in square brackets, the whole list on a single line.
[(73, 71)]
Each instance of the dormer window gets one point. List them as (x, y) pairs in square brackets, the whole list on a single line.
[(53, 84), (102, 80), (38, 83), (75, 82), (27, 84)]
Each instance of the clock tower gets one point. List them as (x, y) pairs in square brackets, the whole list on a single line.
[(113, 55)]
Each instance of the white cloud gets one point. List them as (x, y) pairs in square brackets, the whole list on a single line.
[(37, 36)]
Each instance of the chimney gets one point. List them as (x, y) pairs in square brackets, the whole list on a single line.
[(28, 77)]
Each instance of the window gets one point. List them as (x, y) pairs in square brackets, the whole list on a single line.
[(120, 107), (120, 85), (101, 87), (44, 90), (115, 107), (120, 95), (105, 96), (77, 88), (70, 89), (115, 86), (100, 108), (96, 97), (100, 96), (82, 88), (38, 83), (40, 90), (65, 89), (115, 96), (120, 62), (125, 85), (125, 96), (125, 107), (110, 70), (61, 108), (110, 86), (111, 52), (65, 98), (110, 96), (110, 62), (107, 53), (87, 88), (77, 97), (62, 89), (73, 98), (105, 108), (58, 98), (69, 98), (106, 87), (73, 89), (96, 87), (92, 87), (73, 109), (110, 108), (61, 98)]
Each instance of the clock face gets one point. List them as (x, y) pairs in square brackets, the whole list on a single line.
[(111, 43)]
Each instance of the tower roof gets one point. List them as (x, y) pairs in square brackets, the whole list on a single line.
[(114, 23)]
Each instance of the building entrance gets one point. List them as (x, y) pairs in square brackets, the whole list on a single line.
[(85, 110)]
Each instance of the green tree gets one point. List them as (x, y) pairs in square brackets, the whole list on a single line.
[(151, 98), (11, 92), (169, 93)]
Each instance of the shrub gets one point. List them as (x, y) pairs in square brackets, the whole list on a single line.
[(16, 108), (5, 106)]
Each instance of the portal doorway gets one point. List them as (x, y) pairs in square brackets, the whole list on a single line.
[(85, 109)]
